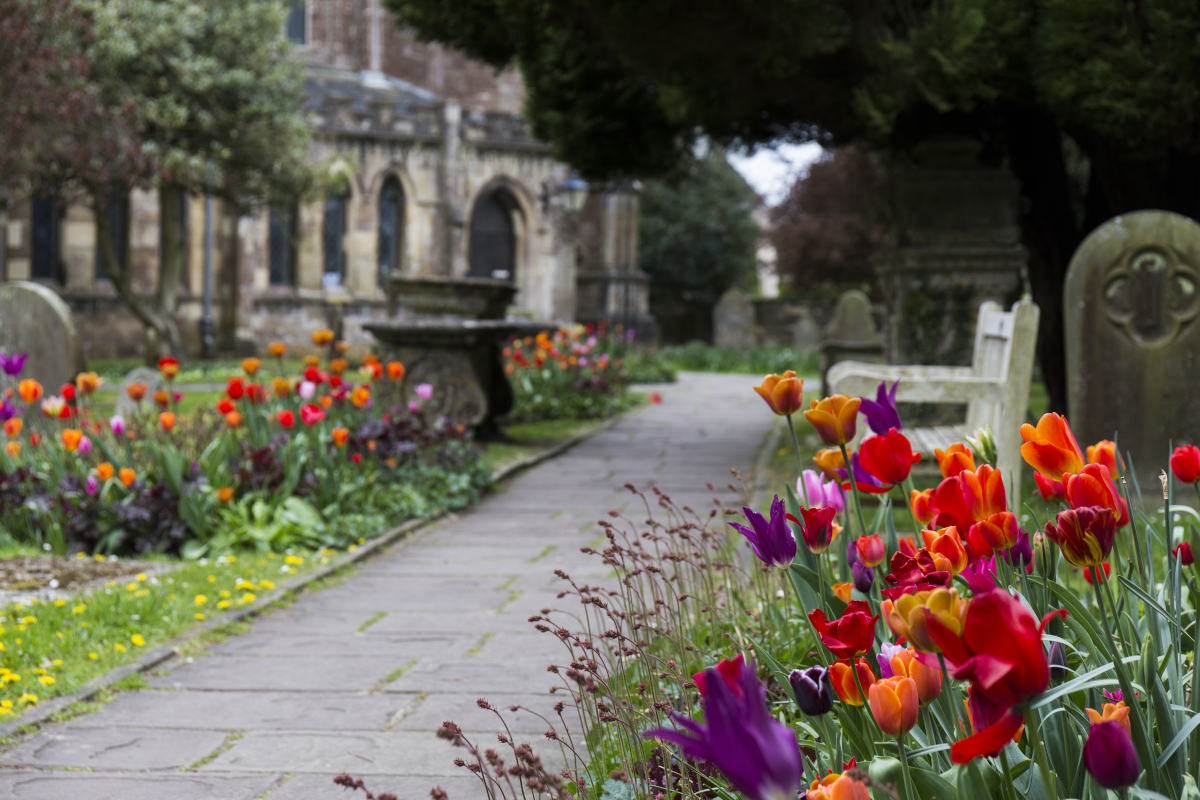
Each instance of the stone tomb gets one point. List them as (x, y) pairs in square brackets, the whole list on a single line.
[(35, 320), (851, 335), (1132, 298), (733, 321)]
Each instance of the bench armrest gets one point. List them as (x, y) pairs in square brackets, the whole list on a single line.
[(918, 384)]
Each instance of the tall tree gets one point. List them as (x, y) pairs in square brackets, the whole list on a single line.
[(189, 97), (1037, 80), (696, 238)]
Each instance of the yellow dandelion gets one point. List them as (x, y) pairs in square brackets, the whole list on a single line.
[(56, 662), (351, 548), (141, 576), (137, 639), (212, 578), (200, 616), (10, 677), (120, 648), (60, 603), (267, 585), (46, 680), (230, 559), (93, 656), (129, 587), (81, 554), (27, 698), (223, 604), (248, 597), (79, 609), (200, 600), (28, 620), (6, 703), (59, 634), (224, 593), (293, 560)]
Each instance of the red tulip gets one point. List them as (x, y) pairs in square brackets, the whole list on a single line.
[(729, 669), (1184, 551), (311, 414), (1104, 452), (916, 573), (1094, 486), (889, 458), (851, 635), (68, 392), (225, 405), (1106, 568), (255, 393), (236, 388), (818, 528), (286, 418), (1000, 652), (997, 532), (921, 505), (954, 459), (1185, 463), (1049, 489), (968, 497)]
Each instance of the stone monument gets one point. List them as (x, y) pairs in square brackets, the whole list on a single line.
[(851, 335), (733, 321), (35, 320), (1132, 298), (608, 284), (148, 377), (953, 244)]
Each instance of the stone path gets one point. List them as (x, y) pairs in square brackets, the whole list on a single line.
[(358, 677)]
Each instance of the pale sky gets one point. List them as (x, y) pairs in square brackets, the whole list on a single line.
[(771, 171)]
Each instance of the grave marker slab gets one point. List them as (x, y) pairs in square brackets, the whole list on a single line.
[(35, 320)]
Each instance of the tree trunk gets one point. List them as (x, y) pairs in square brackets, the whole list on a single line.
[(1049, 232), (162, 334), (170, 270)]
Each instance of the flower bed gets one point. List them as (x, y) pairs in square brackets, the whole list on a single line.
[(969, 659), (282, 460)]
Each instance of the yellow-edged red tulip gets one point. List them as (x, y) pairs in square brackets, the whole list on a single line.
[(783, 393), (842, 679), (835, 418), (909, 614), (946, 545), (922, 508), (894, 704), (1085, 535), (954, 459), (871, 550), (1050, 448)]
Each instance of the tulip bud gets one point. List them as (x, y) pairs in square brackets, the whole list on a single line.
[(871, 551), (1184, 551), (813, 690), (1109, 756), (852, 552), (1058, 661), (864, 577)]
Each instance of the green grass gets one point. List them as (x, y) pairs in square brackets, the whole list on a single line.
[(114, 370), (755, 361), (532, 437), (50, 648)]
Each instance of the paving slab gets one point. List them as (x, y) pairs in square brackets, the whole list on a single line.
[(445, 616)]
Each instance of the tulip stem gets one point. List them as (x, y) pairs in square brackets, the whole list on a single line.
[(948, 690), (863, 696), (1033, 725), (862, 524), (799, 463), (1011, 790), (818, 645), (909, 788)]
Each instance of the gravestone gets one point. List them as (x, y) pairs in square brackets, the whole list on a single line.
[(150, 378), (806, 333), (851, 335), (1132, 298), (733, 321), (35, 320)]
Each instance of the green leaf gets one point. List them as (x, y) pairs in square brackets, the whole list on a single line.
[(1179, 739), (1148, 600)]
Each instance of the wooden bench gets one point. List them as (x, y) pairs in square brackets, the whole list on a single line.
[(995, 387)]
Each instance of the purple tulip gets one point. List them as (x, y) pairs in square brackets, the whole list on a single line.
[(863, 576), (85, 446), (92, 485), (886, 651), (7, 410), (860, 473), (757, 754), (773, 541), (852, 552), (414, 406), (813, 690), (881, 412), (12, 365), (981, 576), (1058, 661), (1109, 756), (1021, 553), (1114, 696)]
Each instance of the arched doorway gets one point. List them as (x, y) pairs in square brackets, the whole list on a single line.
[(391, 228), (493, 249)]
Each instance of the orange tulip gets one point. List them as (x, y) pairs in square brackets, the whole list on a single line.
[(1094, 486), (233, 419), (250, 365), (842, 591), (277, 349), (1113, 712), (843, 680), (325, 400), (955, 459), (894, 704), (837, 786), (71, 437), (1105, 452), (339, 436), (136, 391), (783, 393), (311, 361), (907, 663), (127, 476), (909, 614), (969, 497), (341, 346), (13, 449), (166, 421), (338, 366), (169, 367), (87, 382), (12, 427), (947, 545), (370, 358), (829, 461), (282, 386), (225, 494), (998, 532), (30, 390), (921, 507), (322, 337), (835, 418), (1050, 448), (104, 471), (395, 370), (360, 396)]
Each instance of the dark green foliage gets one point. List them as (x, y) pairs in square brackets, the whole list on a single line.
[(697, 237), (699, 357)]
